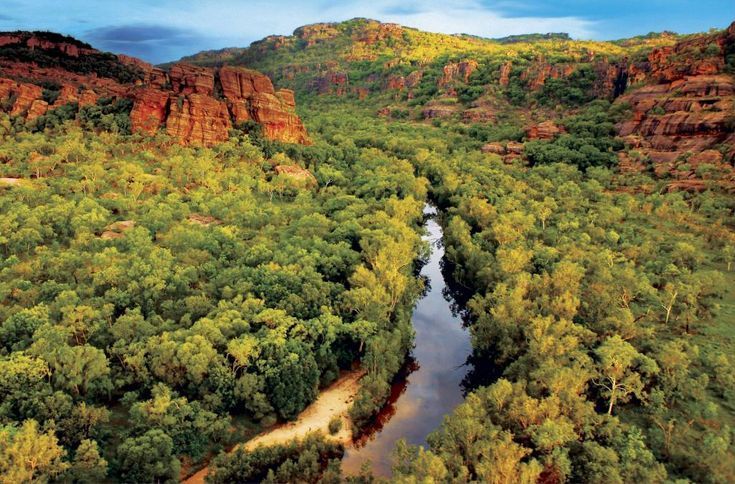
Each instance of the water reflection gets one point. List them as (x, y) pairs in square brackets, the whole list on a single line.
[(432, 384)]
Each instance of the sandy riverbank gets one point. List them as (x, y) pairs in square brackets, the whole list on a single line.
[(335, 400)]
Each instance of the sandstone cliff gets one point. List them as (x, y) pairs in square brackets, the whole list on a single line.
[(684, 116), (192, 104)]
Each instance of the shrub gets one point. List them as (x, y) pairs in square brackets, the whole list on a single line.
[(335, 425)]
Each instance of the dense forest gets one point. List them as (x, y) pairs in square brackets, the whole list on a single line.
[(161, 303)]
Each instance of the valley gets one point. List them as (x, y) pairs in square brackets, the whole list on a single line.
[(386, 255)]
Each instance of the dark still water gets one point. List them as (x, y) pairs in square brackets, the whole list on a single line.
[(432, 386)]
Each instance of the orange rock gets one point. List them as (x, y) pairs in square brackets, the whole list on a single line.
[(37, 108), (514, 148), (537, 74), (199, 119), (150, 108), (25, 94), (278, 119), (458, 70), (505, 70), (87, 98), (183, 100), (189, 79), (494, 148), (287, 96), (546, 130), (240, 83)]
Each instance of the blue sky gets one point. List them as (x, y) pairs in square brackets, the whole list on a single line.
[(162, 30)]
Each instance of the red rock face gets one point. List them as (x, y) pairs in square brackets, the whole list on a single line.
[(546, 131), (250, 95), (150, 109), (193, 104), (681, 121), (238, 83), (537, 74), (20, 98), (505, 70), (198, 119), (188, 79), (458, 70)]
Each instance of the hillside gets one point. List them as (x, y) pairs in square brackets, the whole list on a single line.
[(679, 88)]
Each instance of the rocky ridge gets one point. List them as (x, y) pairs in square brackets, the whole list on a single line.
[(192, 104)]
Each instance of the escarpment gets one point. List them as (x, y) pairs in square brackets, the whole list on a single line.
[(41, 72)]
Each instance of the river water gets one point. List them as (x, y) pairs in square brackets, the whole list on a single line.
[(432, 384)]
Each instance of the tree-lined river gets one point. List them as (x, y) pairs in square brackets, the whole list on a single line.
[(421, 398)]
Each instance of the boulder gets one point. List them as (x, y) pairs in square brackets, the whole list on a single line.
[(494, 148), (546, 130), (514, 148)]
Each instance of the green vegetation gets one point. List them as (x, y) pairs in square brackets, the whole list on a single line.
[(589, 140), (597, 307), (297, 461), (161, 303), (151, 292)]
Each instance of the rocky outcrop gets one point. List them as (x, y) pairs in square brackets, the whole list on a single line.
[(298, 174), (316, 33), (457, 71), (684, 117), (505, 71), (150, 110), (42, 40), (509, 151), (372, 32), (332, 83), (239, 83), (536, 75), (188, 79), (680, 122), (494, 148), (191, 113), (250, 95), (192, 104), (198, 119), (22, 99), (546, 130)]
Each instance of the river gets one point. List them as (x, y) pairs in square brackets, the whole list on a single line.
[(432, 385)]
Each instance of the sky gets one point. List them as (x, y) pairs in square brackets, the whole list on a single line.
[(164, 30)]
